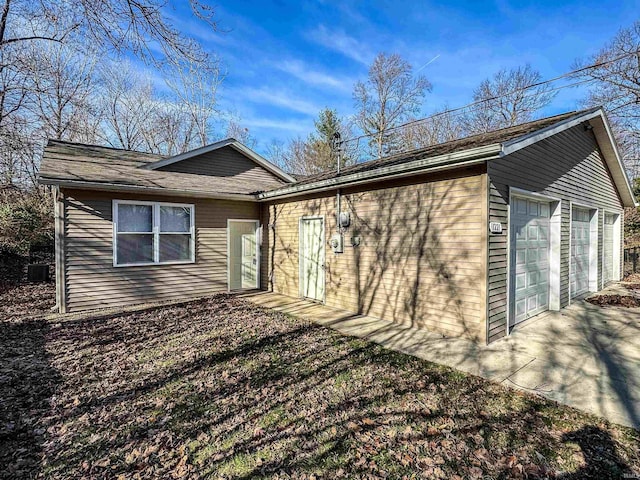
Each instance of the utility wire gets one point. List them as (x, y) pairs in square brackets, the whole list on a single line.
[(458, 110)]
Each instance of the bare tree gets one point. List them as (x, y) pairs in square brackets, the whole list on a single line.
[(46, 85), (275, 152), (390, 95), (126, 106), (122, 26), (195, 85), (170, 129), (240, 133), (292, 157), (63, 79), (615, 84), (440, 127), (508, 98), (14, 122)]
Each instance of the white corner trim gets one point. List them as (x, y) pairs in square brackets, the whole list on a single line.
[(229, 142), (60, 254)]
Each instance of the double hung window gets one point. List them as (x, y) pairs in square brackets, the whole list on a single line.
[(148, 233)]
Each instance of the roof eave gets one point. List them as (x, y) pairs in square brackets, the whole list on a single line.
[(604, 137), (114, 187), (429, 164), (609, 148)]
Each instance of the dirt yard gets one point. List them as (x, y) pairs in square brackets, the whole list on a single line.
[(218, 388)]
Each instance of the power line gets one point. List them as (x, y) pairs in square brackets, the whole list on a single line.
[(458, 110)]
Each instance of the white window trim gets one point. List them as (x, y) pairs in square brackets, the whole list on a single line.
[(155, 231)]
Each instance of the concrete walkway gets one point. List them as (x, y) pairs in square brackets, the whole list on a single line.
[(585, 356)]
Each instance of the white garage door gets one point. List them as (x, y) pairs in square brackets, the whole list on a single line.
[(529, 258), (607, 261), (580, 242)]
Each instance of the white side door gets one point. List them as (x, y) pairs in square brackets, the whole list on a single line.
[(249, 265), (243, 254), (312, 256)]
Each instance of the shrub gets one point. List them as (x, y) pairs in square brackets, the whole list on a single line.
[(26, 220)]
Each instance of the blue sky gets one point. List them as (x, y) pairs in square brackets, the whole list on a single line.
[(285, 60)]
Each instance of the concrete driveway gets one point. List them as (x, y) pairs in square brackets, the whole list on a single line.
[(585, 356)]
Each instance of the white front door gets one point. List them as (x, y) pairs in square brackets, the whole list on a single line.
[(312, 258), (243, 254), (580, 251), (530, 243)]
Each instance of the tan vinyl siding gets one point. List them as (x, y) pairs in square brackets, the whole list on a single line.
[(92, 281), (226, 162), (568, 166), (422, 258)]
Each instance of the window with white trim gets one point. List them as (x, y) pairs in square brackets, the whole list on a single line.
[(149, 233)]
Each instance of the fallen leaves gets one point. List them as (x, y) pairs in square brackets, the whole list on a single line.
[(614, 299), (218, 388)]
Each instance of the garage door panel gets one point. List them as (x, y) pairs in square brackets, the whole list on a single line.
[(580, 248), (530, 261), (543, 255)]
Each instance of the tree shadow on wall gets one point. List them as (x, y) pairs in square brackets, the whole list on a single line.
[(417, 264)]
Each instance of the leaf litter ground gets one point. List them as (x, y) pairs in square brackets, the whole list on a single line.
[(219, 388)]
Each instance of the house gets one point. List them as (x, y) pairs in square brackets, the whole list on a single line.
[(466, 238)]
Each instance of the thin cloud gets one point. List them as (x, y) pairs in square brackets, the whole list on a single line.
[(278, 98), (269, 123), (340, 42), (313, 77)]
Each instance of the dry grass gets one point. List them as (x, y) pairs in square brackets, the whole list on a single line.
[(218, 388)]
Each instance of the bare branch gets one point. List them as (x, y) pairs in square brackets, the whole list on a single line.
[(390, 95)]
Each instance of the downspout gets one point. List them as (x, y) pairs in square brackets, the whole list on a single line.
[(59, 225)]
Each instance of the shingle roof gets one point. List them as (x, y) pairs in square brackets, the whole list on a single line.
[(104, 166), (78, 163), (474, 141)]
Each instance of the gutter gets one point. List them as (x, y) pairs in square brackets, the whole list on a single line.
[(115, 187), (431, 164)]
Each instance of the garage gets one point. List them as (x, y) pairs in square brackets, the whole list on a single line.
[(530, 245), (580, 251)]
